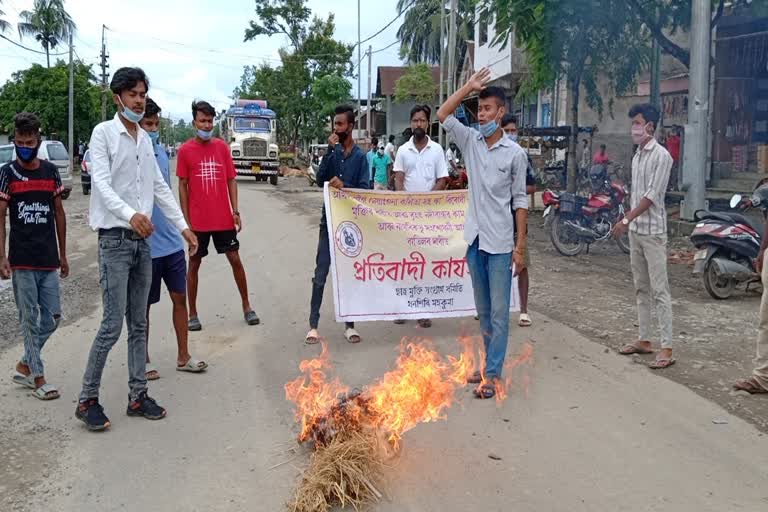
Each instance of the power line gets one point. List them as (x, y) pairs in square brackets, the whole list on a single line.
[(385, 27), (30, 49)]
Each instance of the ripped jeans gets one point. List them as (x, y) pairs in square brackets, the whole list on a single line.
[(37, 297)]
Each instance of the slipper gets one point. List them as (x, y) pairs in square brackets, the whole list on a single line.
[(313, 337), (485, 391), (399, 322), (23, 380), (352, 335), (660, 364), (475, 378), (525, 320), (631, 348), (151, 372), (192, 366), (251, 318), (425, 323), (46, 392), (193, 324), (751, 386)]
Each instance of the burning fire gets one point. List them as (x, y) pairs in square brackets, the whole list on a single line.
[(420, 389)]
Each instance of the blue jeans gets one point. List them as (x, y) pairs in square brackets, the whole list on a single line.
[(37, 297), (125, 268), (492, 284)]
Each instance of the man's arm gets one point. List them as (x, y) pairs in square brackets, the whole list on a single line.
[(5, 266), (61, 234), (363, 178), (166, 202), (441, 173), (657, 190), (101, 177), (458, 132), (184, 197)]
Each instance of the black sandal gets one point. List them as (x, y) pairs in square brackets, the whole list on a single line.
[(485, 391)]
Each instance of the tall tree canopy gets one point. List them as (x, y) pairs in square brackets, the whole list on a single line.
[(49, 23)]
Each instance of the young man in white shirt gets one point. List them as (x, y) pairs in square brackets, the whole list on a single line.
[(126, 184), (420, 164)]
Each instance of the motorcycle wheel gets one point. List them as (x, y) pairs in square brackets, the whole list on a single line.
[(718, 289), (565, 243), (623, 243)]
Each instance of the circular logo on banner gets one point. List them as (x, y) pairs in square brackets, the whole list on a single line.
[(349, 239)]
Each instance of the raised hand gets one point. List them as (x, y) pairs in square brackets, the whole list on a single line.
[(478, 81)]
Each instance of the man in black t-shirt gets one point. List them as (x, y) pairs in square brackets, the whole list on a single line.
[(30, 190)]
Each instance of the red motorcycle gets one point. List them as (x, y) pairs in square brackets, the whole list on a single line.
[(577, 222)]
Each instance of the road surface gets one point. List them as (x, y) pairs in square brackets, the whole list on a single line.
[(594, 431)]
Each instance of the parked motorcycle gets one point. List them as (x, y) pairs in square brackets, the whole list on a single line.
[(728, 244), (576, 222)]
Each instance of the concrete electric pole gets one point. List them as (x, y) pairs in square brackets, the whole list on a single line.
[(71, 116), (369, 110), (104, 74), (359, 75), (697, 130), (441, 138)]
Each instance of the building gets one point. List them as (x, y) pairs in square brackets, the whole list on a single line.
[(398, 114)]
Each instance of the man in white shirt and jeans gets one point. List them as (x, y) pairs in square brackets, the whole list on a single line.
[(126, 183), (420, 165)]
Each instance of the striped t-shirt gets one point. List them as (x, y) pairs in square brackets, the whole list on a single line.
[(650, 174)]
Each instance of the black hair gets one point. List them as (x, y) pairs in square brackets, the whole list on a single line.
[(204, 107), (648, 111), (375, 142), (126, 79), (603, 146), (26, 123), (151, 108), (507, 119), (421, 108), (348, 110), (392, 139), (493, 92)]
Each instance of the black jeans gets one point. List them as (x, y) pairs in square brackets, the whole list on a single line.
[(322, 266)]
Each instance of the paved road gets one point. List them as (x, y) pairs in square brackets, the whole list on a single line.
[(593, 432)]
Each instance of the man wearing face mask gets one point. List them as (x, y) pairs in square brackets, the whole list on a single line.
[(169, 263), (420, 165), (647, 225), (126, 184), (497, 168), (344, 166), (382, 169), (208, 195)]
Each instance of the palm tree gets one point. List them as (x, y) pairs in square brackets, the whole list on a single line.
[(419, 35), (49, 23), (4, 25)]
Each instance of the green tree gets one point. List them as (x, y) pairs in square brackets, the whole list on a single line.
[(44, 92), (416, 84), (584, 41), (49, 23), (291, 88), (4, 25)]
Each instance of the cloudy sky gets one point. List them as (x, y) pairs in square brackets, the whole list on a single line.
[(193, 48)]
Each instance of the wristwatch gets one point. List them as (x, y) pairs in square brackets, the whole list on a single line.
[(235, 212), (625, 221)]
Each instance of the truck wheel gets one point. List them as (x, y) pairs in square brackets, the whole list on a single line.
[(273, 180)]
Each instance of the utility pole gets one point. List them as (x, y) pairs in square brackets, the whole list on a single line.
[(697, 130), (656, 72), (441, 138), (452, 49), (370, 110), (359, 75), (71, 116), (104, 74)]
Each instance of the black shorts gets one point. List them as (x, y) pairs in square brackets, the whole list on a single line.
[(173, 270), (223, 241)]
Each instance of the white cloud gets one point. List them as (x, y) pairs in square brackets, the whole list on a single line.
[(193, 48)]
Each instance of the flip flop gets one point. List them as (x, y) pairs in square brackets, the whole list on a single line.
[(46, 392), (193, 324), (525, 320), (425, 323), (485, 391), (192, 366), (660, 364), (312, 338), (151, 372), (751, 386), (352, 336), (631, 348), (23, 380), (251, 318)]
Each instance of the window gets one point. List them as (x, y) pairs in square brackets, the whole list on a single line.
[(252, 124), (484, 21), (57, 151), (6, 154)]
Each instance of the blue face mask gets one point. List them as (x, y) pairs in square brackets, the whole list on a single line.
[(130, 115), (513, 138), (26, 154), (205, 135), (488, 129), (155, 136)]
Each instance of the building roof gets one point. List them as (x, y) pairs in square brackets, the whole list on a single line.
[(387, 77)]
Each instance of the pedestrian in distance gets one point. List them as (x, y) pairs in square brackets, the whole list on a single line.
[(31, 189), (497, 168), (382, 169), (126, 185), (208, 195), (169, 262)]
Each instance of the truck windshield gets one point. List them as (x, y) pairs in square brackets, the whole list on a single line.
[(252, 124)]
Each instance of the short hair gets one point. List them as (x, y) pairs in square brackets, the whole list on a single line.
[(26, 123), (203, 107), (507, 119), (348, 110), (392, 139), (126, 79), (421, 108), (493, 92), (375, 142), (152, 108), (648, 111), (603, 146)]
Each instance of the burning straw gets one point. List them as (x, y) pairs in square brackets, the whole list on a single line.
[(356, 432)]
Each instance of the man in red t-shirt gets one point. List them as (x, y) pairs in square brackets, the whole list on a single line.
[(601, 158), (673, 146), (208, 195)]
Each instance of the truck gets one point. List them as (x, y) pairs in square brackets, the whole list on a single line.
[(250, 130)]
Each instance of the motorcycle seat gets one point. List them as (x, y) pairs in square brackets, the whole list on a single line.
[(733, 218)]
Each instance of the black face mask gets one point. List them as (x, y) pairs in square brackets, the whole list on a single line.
[(419, 134)]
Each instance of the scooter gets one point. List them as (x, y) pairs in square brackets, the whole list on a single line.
[(728, 244)]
